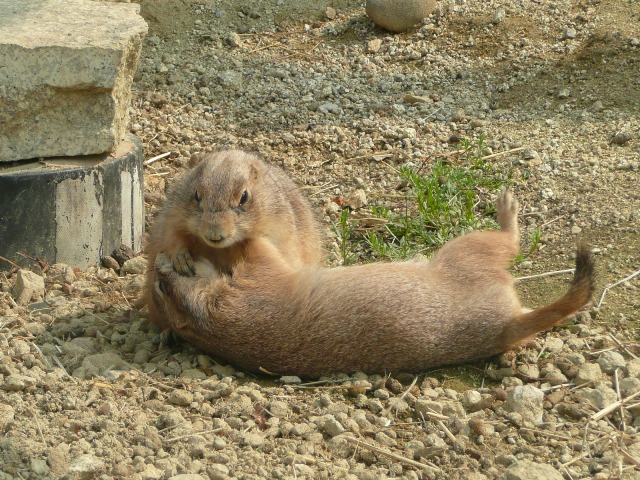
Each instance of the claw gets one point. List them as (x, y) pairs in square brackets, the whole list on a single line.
[(157, 286), (183, 264)]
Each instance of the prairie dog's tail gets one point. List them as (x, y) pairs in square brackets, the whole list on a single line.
[(543, 318)]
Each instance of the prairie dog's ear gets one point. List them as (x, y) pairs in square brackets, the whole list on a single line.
[(256, 170), (196, 158)]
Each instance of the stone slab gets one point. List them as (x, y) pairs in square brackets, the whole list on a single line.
[(66, 68)]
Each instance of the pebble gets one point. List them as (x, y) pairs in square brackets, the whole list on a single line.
[(7, 415), (598, 397), (29, 287), (570, 33), (373, 46), (398, 15), (61, 273), (575, 230), (588, 373), (187, 476), (527, 470), (621, 138), (553, 344), (331, 426), (498, 16), (252, 439), (134, 266), (290, 380), (632, 368), (526, 401), (85, 466), (610, 361), (629, 386), (180, 397)]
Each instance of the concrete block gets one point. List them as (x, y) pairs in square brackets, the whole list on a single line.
[(72, 210), (66, 68)]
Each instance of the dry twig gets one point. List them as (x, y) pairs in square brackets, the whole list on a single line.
[(395, 456), (609, 287), (546, 274)]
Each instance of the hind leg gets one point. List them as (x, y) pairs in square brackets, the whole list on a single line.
[(507, 208)]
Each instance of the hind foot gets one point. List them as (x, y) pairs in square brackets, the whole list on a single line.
[(507, 208)]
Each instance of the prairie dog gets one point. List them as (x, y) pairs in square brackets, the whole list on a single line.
[(227, 199), (380, 317)]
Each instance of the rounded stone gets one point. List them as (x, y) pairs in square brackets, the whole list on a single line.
[(72, 210), (399, 15)]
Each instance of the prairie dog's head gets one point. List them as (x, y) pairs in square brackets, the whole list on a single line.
[(222, 197)]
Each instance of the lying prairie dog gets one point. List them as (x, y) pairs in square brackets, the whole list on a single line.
[(380, 317), (227, 199)]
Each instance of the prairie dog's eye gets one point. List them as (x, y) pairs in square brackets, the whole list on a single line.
[(197, 197), (244, 197)]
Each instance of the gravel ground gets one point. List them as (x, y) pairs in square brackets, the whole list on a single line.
[(87, 390)]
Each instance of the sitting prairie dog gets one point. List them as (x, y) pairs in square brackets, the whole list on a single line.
[(380, 317), (228, 198)]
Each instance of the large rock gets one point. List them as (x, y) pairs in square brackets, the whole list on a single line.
[(67, 68), (399, 15)]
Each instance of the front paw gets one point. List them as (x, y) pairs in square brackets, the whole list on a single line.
[(183, 264), (163, 264)]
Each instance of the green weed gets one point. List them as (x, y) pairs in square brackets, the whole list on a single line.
[(344, 230), (442, 201)]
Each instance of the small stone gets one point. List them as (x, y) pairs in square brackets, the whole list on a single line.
[(527, 401), (329, 108), (598, 397), (252, 439), (588, 373), (39, 467), (410, 98), (575, 230), (398, 15), (180, 397), (290, 380), (123, 252), (498, 16), (7, 415), (110, 262), (621, 138), (569, 33), (331, 426), (373, 46), (477, 123), (553, 344), (564, 93), (234, 40), (629, 386), (29, 287), (331, 13), (547, 193), (61, 273), (632, 369), (86, 466), (526, 470), (135, 266), (357, 200), (610, 361), (458, 115), (187, 476)]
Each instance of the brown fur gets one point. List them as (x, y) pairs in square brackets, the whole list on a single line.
[(215, 223), (381, 317)]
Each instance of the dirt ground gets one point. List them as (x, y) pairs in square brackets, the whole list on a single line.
[(87, 389)]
